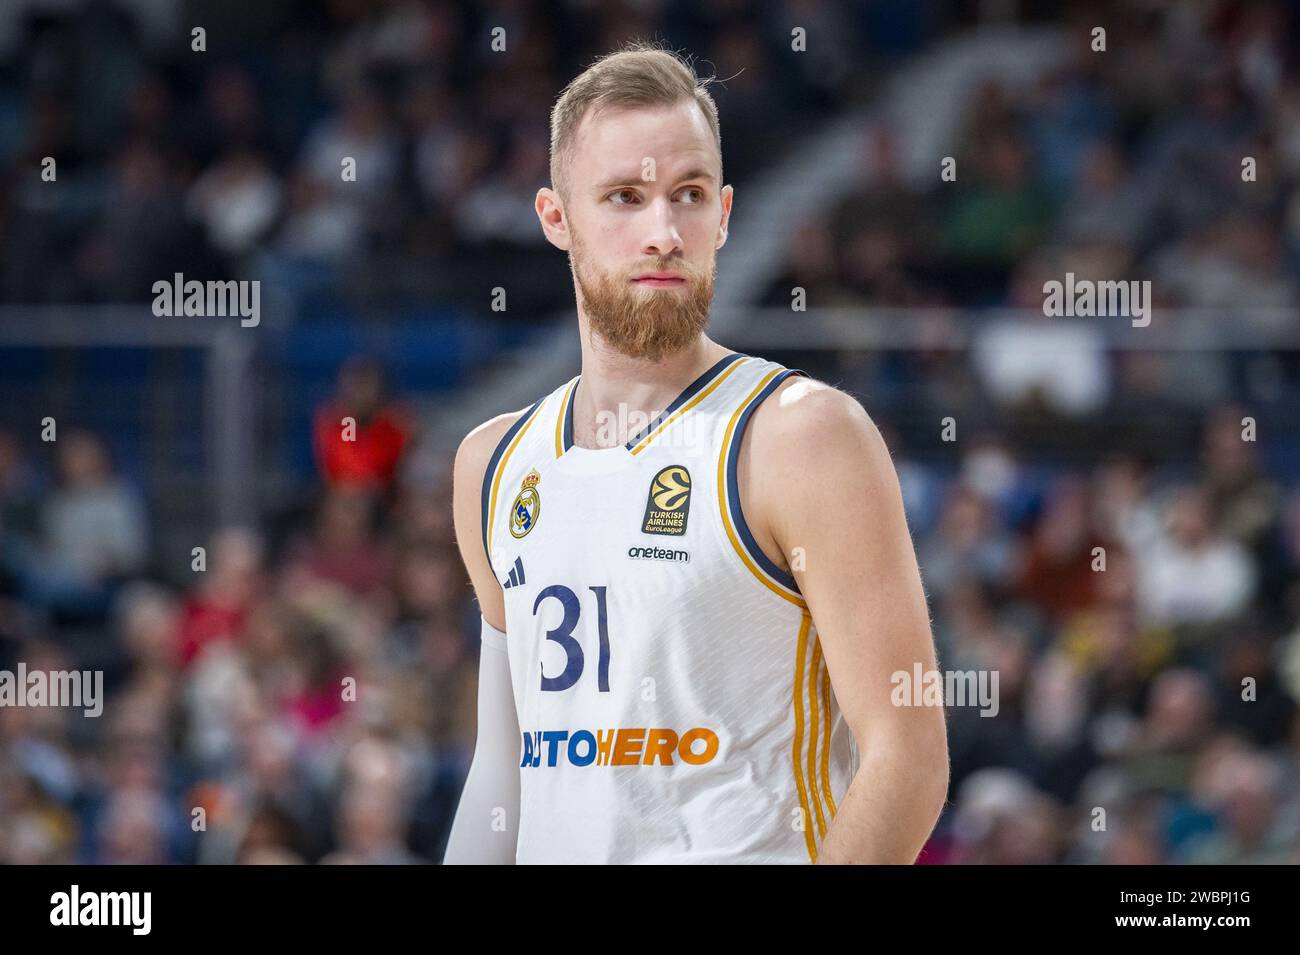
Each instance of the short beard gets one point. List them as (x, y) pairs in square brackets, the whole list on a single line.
[(646, 323)]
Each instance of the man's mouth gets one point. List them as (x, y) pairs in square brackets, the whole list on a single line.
[(660, 279)]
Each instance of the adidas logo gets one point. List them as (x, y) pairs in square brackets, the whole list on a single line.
[(516, 574)]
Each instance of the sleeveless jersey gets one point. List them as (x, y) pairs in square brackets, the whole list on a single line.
[(672, 698)]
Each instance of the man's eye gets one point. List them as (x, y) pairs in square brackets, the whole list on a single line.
[(695, 193), (623, 197)]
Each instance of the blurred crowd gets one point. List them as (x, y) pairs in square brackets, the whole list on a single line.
[(311, 698), (1115, 537), (1148, 690), (231, 162), (1123, 164), (307, 698), (1143, 616)]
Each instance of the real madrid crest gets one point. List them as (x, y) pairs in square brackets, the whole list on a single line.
[(527, 507)]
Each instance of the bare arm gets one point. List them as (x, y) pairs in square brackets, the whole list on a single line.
[(828, 496), (485, 829)]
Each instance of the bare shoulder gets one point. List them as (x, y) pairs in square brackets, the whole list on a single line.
[(807, 420), (807, 445), (472, 458), (476, 448)]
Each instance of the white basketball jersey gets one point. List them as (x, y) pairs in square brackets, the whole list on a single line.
[(672, 697)]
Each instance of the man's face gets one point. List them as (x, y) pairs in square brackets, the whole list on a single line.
[(643, 218)]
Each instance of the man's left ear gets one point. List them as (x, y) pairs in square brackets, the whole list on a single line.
[(725, 196)]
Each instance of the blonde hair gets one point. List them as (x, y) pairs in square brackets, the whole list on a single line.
[(638, 75)]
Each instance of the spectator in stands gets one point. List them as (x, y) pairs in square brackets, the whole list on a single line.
[(1062, 572), (92, 533), (342, 548), (1256, 826), (216, 608), (367, 449), (968, 543), (1192, 573), (94, 522), (19, 491), (1244, 503)]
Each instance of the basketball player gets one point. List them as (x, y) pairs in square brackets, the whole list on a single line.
[(693, 566)]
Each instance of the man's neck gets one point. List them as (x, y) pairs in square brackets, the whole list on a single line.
[(619, 395)]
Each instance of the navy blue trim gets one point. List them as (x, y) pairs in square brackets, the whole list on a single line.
[(733, 485), (691, 391), (492, 467), (568, 418)]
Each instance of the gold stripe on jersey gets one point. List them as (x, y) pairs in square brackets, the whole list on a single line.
[(501, 468), (559, 418), (800, 785), (814, 732), (775, 586), (703, 393), (826, 744)]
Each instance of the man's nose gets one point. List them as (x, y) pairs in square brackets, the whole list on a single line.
[(662, 237)]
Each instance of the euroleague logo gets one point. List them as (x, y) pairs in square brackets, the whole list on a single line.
[(527, 507), (669, 502)]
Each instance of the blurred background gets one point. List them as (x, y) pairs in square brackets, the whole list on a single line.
[(1120, 689)]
